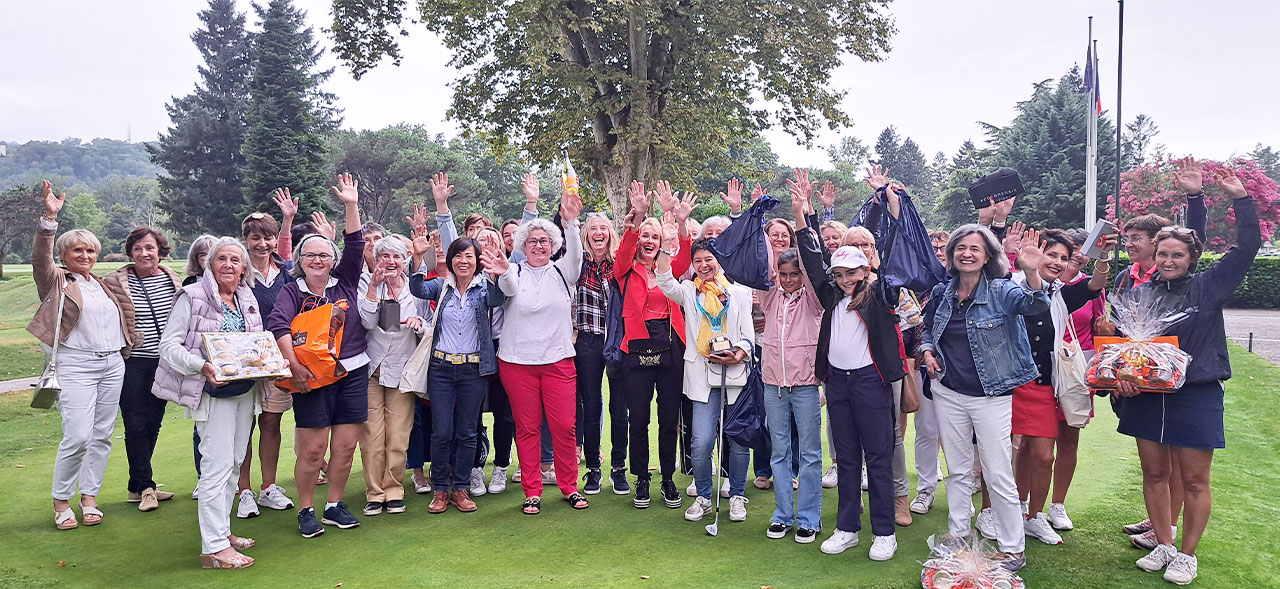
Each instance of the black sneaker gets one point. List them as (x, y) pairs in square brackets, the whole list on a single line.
[(641, 498), (395, 506), (373, 508), (777, 530), (670, 495), (307, 523), (339, 516), (805, 535), (593, 482), (618, 477)]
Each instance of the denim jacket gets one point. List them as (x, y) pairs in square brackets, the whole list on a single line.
[(484, 294), (996, 330)]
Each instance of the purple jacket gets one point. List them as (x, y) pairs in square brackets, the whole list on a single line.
[(347, 272)]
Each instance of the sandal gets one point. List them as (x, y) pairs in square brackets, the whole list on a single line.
[(235, 561), (241, 543), (577, 501), (532, 506), (65, 520), (92, 515)]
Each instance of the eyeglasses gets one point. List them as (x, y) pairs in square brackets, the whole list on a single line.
[(937, 249), (541, 241), (1176, 230), (862, 245), (312, 257)]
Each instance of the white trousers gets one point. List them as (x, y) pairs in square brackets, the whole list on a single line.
[(926, 442), (960, 417), (900, 483), (224, 437), (89, 401)]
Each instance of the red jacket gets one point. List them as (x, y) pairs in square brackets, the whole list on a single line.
[(634, 295)]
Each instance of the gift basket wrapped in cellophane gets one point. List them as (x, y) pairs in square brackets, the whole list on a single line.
[(1143, 357), (966, 562)]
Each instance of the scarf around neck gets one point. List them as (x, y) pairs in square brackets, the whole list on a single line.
[(711, 310)]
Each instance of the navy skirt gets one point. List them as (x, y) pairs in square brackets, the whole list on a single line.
[(1191, 417)]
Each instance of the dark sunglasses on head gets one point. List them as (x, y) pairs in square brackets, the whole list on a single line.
[(1176, 230)]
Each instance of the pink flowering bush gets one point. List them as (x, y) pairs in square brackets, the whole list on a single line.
[(1150, 189)]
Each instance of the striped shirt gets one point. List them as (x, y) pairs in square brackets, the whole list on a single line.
[(152, 300)]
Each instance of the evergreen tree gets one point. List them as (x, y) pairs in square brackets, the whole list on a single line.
[(953, 207), (201, 151), (1268, 160), (1136, 141), (288, 114), (887, 146), (910, 167)]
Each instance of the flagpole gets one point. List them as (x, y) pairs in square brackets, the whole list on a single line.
[(1119, 120), (1091, 142)]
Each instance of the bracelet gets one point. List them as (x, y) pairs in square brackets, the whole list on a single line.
[(1197, 194), (1103, 266), (671, 254), (1000, 225)]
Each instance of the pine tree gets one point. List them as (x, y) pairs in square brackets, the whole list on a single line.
[(887, 145), (911, 168), (201, 151), (288, 114)]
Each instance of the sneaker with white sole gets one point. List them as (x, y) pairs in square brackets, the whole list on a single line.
[(1182, 570), (477, 485), (273, 497), (839, 542), (1038, 527), (987, 524), (692, 489), (724, 488), (923, 502), (805, 535), (701, 507), (738, 508), (777, 531), (1146, 540), (1058, 517), (1158, 559), (829, 478), (515, 476), (498, 482), (618, 479), (247, 507), (1138, 528), (883, 547), (549, 476)]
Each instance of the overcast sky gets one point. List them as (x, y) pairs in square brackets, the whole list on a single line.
[(87, 68)]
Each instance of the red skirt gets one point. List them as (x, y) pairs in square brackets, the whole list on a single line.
[(1035, 411)]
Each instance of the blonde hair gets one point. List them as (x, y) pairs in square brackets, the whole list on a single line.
[(838, 226), (74, 237), (860, 231), (611, 248), (657, 226)]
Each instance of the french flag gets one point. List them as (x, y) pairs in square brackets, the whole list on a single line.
[(1091, 79)]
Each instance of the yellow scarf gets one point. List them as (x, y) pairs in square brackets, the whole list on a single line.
[(710, 309)]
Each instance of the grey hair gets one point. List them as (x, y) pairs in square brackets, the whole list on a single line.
[(296, 271), (199, 246), (522, 234), (997, 265), (231, 242), (395, 245), (717, 220), (372, 227), (80, 236)]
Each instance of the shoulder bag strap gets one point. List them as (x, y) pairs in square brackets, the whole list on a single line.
[(57, 329), (155, 319)]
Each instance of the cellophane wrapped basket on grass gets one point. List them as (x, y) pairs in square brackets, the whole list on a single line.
[(967, 562), (1143, 357)]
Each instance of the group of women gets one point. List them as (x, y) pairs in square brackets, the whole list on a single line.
[(516, 322)]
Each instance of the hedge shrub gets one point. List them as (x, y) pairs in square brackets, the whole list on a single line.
[(1260, 289)]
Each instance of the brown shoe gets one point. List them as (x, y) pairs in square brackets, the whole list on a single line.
[(463, 501), (439, 502), (902, 511), (149, 501)]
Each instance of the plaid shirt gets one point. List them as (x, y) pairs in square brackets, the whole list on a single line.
[(592, 299)]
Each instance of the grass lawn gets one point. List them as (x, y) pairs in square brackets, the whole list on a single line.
[(611, 543)]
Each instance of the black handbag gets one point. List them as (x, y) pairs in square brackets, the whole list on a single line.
[(651, 352), (234, 388)]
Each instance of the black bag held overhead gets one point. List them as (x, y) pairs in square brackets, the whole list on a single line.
[(1002, 184), (742, 248), (906, 252), (745, 423)]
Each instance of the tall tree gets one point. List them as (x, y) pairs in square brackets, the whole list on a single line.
[(887, 146), (953, 207), (201, 150), (288, 113), (1136, 141), (1268, 160), (21, 205), (848, 155), (910, 167), (631, 86)]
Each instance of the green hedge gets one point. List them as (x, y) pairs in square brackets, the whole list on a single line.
[(1261, 286)]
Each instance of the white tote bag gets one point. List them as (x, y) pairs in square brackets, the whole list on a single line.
[(1074, 396), (414, 377)]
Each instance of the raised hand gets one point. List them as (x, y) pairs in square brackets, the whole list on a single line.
[(1230, 183), (495, 262), (1002, 210), (570, 206), (877, 176), (757, 192), (323, 226), (52, 204), (639, 198), (1030, 257), (799, 206), (828, 195), (379, 276), (531, 188), (987, 214), (419, 218), (287, 202), (347, 190), (1013, 237), (800, 181), (421, 240), (666, 199), (895, 199), (670, 228), (1189, 176), (441, 190), (684, 207), (732, 195)]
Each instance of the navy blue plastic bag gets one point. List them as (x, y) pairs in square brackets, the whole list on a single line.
[(742, 248), (912, 264), (744, 423)]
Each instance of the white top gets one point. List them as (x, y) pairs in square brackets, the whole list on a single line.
[(185, 363), (849, 349), (538, 322), (737, 327), (389, 351), (270, 279), (98, 329)]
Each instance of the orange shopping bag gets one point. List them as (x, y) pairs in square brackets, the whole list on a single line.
[(317, 342)]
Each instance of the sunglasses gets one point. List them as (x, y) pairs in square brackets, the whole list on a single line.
[(1176, 230)]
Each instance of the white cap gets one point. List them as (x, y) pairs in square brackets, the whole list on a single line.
[(849, 257)]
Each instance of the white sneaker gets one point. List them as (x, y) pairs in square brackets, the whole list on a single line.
[(839, 542), (829, 478), (498, 483), (701, 507), (549, 476), (724, 489), (1058, 517), (1146, 540), (923, 502), (738, 508), (1158, 559), (865, 484), (1038, 527), (1138, 528), (195, 494), (273, 497), (987, 524), (692, 489), (1182, 570), (248, 507), (515, 476), (883, 547), (477, 482)]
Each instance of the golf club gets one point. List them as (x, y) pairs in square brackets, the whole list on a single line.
[(714, 527)]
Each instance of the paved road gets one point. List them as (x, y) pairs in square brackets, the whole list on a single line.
[(1265, 326), (21, 384)]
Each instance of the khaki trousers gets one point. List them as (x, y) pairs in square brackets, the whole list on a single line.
[(384, 441)]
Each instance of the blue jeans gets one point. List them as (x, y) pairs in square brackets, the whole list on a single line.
[(457, 390), (783, 406), (706, 426)]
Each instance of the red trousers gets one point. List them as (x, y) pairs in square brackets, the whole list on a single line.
[(533, 391)]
